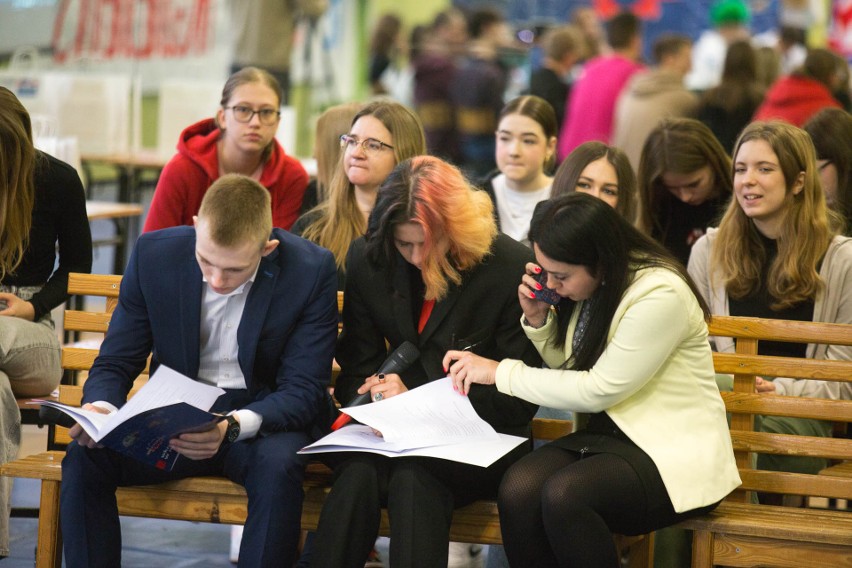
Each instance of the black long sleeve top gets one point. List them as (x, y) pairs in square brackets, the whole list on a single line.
[(59, 216)]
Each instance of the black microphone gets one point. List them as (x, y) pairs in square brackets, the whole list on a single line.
[(401, 358)]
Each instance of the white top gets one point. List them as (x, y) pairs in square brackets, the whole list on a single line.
[(515, 208), (219, 350), (708, 61)]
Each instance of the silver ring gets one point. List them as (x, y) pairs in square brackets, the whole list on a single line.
[(378, 396)]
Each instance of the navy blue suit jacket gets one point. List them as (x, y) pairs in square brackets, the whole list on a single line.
[(286, 335)]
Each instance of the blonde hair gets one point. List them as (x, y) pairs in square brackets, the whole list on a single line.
[(237, 210), (17, 184), (330, 125), (340, 221), (807, 230)]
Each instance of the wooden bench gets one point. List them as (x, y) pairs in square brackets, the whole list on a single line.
[(741, 532), (214, 499)]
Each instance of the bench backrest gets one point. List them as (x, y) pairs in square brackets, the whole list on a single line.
[(743, 403), (80, 355)]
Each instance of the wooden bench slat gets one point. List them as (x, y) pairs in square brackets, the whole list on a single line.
[(810, 446), (820, 369), (78, 359), (840, 470), (775, 405), (81, 359), (791, 331), (797, 484), (736, 550), (94, 322), (105, 285), (550, 429), (46, 465), (804, 525)]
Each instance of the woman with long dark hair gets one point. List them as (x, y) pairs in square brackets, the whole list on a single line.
[(831, 132), (240, 139), (683, 184), (627, 346), (42, 217)]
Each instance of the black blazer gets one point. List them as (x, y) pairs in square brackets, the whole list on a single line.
[(483, 312)]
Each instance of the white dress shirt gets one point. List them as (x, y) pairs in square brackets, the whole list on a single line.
[(219, 350), (218, 359)]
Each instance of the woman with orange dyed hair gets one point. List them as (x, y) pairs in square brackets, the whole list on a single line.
[(433, 270)]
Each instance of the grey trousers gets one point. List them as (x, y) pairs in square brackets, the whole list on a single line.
[(30, 365)]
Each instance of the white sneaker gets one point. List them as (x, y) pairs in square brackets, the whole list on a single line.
[(236, 538), (465, 555)]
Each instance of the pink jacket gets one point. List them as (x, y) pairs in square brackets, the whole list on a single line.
[(591, 101)]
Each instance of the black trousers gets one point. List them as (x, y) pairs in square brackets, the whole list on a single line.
[(419, 494)]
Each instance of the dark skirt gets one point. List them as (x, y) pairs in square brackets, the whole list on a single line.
[(603, 436)]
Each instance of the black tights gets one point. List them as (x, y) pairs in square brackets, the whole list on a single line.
[(559, 510)]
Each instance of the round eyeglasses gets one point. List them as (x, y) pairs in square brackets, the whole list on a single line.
[(267, 116), (369, 145)]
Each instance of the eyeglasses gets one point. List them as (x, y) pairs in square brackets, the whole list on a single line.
[(267, 116), (369, 145)]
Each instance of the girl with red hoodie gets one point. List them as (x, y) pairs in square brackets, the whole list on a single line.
[(240, 139)]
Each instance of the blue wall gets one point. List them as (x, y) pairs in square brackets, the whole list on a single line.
[(689, 17)]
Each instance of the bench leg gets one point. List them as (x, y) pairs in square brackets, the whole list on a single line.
[(637, 551), (49, 548), (702, 549)]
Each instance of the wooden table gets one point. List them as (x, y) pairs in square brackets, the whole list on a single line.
[(121, 214), (129, 168)]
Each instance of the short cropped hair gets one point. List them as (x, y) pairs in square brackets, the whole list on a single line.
[(237, 210), (822, 65), (669, 44), (482, 19), (621, 30), (559, 42)]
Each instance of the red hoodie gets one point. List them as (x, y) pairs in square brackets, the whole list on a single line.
[(795, 99), (188, 174)]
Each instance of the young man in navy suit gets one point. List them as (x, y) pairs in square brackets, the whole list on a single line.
[(230, 302)]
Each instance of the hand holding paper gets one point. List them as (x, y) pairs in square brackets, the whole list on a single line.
[(168, 405), (432, 420)]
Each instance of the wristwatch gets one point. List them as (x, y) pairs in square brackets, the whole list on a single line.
[(232, 432)]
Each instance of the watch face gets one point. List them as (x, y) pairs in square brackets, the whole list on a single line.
[(233, 431)]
